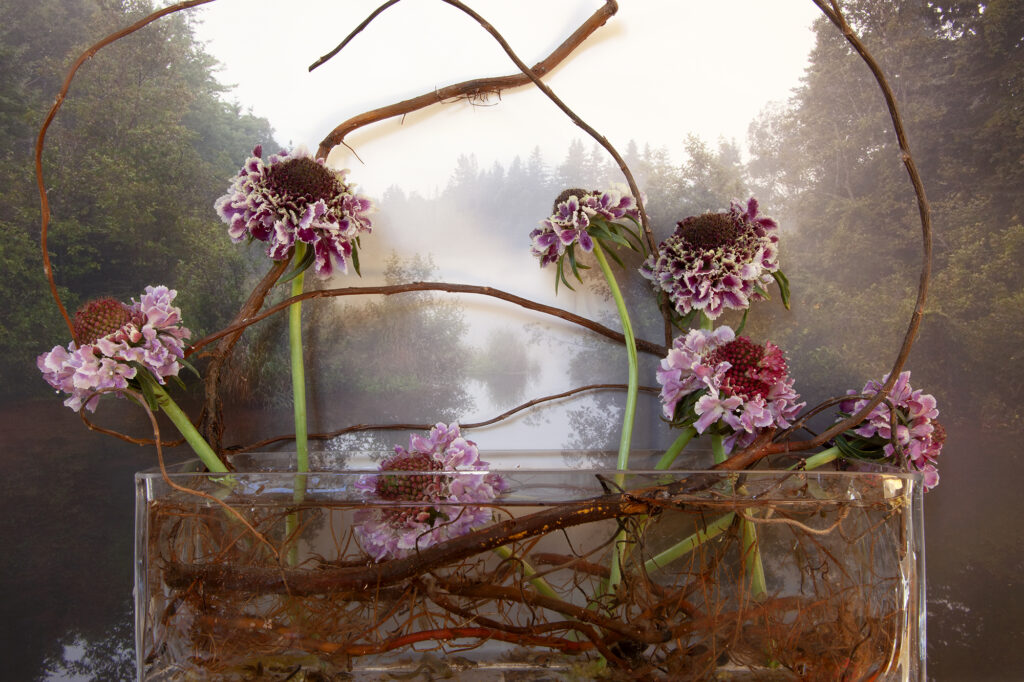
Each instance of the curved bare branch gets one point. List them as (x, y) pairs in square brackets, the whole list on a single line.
[(479, 87)]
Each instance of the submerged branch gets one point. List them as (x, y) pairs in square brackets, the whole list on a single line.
[(371, 576)]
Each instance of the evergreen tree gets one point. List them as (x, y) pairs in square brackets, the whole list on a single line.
[(142, 147)]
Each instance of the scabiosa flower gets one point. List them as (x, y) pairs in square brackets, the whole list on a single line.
[(292, 196), (716, 261), (113, 341), (714, 380), (434, 486), (572, 215), (918, 431)]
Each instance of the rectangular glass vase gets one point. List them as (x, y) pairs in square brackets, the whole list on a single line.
[(571, 574)]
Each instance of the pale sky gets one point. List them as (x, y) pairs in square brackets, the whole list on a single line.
[(656, 71)]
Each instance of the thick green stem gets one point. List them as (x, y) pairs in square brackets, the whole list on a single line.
[(299, 402), (634, 382), (717, 449), (818, 459), (184, 425), (622, 463), (505, 552), (670, 455), (712, 530), (706, 323), (298, 371), (751, 552)]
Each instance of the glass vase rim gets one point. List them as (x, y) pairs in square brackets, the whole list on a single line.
[(179, 470)]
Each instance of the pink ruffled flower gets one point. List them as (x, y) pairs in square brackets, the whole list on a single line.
[(434, 486), (918, 431), (117, 339), (728, 384), (573, 213), (716, 261), (292, 196)]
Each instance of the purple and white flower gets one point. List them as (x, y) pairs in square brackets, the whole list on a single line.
[(729, 385), (716, 261), (434, 485), (572, 214), (112, 342), (918, 432), (294, 197)]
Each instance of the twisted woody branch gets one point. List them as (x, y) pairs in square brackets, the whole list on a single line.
[(248, 315)]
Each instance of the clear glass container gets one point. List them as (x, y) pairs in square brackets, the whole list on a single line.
[(577, 573)]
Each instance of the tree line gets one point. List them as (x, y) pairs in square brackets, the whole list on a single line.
[(140, 150)]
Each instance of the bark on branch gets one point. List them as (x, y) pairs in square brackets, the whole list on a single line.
[(471, 89), (375, 576)]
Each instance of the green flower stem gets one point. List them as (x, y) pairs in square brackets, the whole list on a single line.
[(299, 402), (184, 425), (298, 372), (706, 323), (505, 552), (670, 455), (627, 330), (755, 567), (717, 449), (718, 526), (819, 459), (622, 463), (752, 553), (712, 530)]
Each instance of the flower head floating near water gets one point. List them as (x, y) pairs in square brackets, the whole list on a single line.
[(716, 261), (292, 196), (578, 217), (113, 343), (712, 380), (434, 483), (919, 435)]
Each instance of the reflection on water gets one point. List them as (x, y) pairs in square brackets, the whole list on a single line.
[(111, 656), (66, 498)]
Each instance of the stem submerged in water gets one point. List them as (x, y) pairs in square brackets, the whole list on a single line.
[(628, 418)]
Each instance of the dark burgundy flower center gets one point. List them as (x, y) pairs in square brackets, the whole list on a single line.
[(708, 231), (571, 192), (98, 318), (753, 371), (419, 487), (303, 178), (938, 433)]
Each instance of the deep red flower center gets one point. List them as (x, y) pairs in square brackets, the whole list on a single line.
[(754, 369), (98, 318), (708, 231), (425, 486), (303, 178)]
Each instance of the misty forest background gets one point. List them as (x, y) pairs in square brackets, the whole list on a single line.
[(149, 138)]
